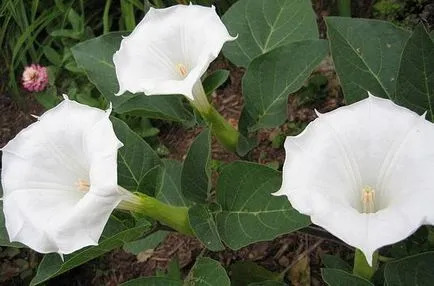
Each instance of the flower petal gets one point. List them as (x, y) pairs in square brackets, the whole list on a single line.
[(149, 59), (372, 143), (42, 170)]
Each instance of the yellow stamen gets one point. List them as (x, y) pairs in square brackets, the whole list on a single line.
[(368, 199), (83, 185), (181, 69)]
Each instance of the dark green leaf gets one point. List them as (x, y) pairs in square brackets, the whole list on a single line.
[(149, 242), (263, 25), (249, 212), (138, 164), (415, 88), (207, 272), (335, 262), (52, 56), (196, 172), (268, 283), (48, 98), (247, 272), (270, 78), (169, 190), (115, 234), (337, 277), (152, 281), (95, 56), (413, 270), (214, 80), (204, 227), (366, 54)]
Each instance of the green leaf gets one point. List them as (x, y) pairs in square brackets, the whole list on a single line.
[(207, 272), (115, 234), (415, 87), (52, 56), (268, 283), (152, 281), (169, 190), (270, 78), (204, 227), (335, 262), (412, 270), (196, 172), (95, 56), (48, 98), (4, 237), (214, 80), (138, 164), (249, 212), (366, 54), (149, 242), (337, 277), (248, 272), (263, 25), (165, 107)]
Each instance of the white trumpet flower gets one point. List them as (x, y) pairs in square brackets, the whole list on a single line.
[(169, 50), (59, 179), (364, 172)]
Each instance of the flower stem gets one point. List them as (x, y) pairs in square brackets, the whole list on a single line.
[(225, 133), (172, 216), (361, 266)]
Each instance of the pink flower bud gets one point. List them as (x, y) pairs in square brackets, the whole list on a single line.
[(35, 78)]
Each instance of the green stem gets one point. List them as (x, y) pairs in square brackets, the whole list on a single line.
[(225, 133), (344, 7), (361, 266), (174, 217)]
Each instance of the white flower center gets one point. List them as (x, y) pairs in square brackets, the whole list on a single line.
[(181, 69), (368, 199), (83, 185)]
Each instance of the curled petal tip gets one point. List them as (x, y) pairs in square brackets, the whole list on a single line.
[(65, 97), (317, 112), (370, 95)]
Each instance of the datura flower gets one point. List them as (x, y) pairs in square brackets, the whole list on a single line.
[(169, 50), (59, 179), (363, 172)]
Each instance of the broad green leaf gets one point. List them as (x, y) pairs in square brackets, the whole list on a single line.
[(268, 283), (196, 172), (166, 107), (263, 25), (4, 237), (214, 80), (249, 212), (337, 277), (138, 164), (248, 272), (335, 262), (207, 272), (415, 88), (169, 190), (366, 54), (413, 270), (204, 227), (149, 242), (152, 281), (115, 234), (95, 56), (270, 78)]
